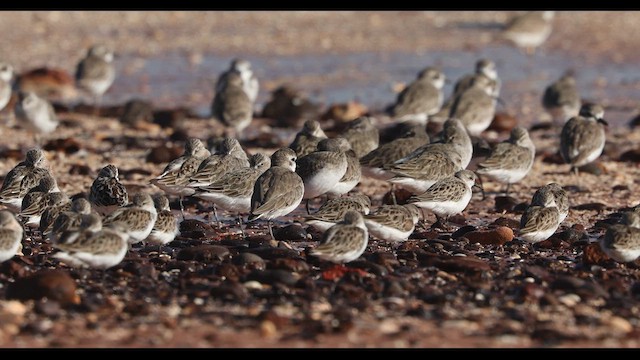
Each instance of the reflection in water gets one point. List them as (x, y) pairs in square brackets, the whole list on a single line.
[(171, 80)]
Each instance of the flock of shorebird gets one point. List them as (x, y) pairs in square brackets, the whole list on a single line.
[(97, 230)]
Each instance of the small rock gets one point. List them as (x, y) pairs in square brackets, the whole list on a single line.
[(270, 253), (345, 111), (204, 253), (462, 264), (630, 156), (592, 254), (250, 261), (497, 236), (594, 206), (171, 119), (370, 267), (510, 223), (505, 204), (462, 231), (66, 145), (53, 284), (569, 300), (619, 324), (503, 122), (163, 154), (294, 265), (402, 195), (595, 168), (274, 276), (47, 307), (290, 232), (231, 290)]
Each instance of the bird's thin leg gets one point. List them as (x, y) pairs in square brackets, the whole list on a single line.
[(181, 207), (271, 230), (240, 224), (307, 207), (506, 193), (393, 194), (215, 215)]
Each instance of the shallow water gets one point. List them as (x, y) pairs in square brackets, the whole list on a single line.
[(173, 80)]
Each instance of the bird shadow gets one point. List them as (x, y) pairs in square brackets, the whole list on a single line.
[(479, 25)]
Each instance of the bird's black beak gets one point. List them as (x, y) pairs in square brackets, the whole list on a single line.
[(603, 122), (501, 102)]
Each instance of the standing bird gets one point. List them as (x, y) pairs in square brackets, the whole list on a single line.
[(67, 220), (107, 192), (559, 194), (621, 242), (362, 135), (94, 246), (483, 68), (279, 190), (529, 30), (37, 200), (373, 163), (36, 115), (561, 99), (539, 222), (250, 83), (96, 72), (436, 161), (344, 241), (447, 197), (139, 217), (232, 107), (166, 226), (11, 233), (22, 178), (476, 106), (393, 222), (233, 190), (6, 74), (322, 170), (332, 211), (510, 161), (306, 141), (351, 176), (175, 176), (422, 98), (583, 137)]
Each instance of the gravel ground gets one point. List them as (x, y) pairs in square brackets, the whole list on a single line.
[(205, 290)]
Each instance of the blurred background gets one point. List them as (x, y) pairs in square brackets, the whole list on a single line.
[(172, 58)]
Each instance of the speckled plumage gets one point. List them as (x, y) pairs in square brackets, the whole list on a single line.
[(476, 106), (279, 190), (373, 163), (11, 233), (230, 157), (22, 178), (96, 72), (345, 241), (420, 99), (306, 141), (68, 220), (393, 222), (38, 199), (561, 99), (231, 104), (510, 161), (583, 137), (250, 83), (107, 193), (166, 227), (233, 190), (139, 217), (541, 221), (448, 196), (176, 174), (95, 246), (362, 135), (560, 197), (333, 211), (322, 170)]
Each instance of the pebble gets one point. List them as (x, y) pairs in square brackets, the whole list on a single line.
[(204, 253), (56, 285)]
